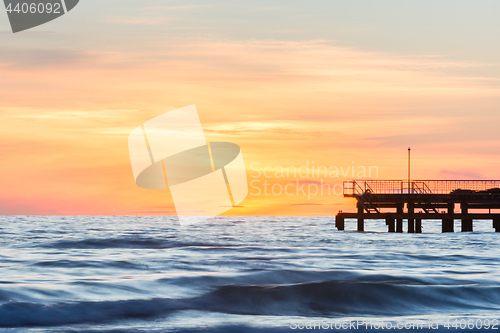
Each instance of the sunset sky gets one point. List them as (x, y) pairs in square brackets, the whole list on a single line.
[(293, 83)]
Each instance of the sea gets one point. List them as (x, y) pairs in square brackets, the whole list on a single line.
[(243, 274)]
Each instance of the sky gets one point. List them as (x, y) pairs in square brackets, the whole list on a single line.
[(332, 84)]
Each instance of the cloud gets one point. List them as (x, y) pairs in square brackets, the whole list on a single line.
[(134, 20), (307, 204), (460, 174), (184, 7), (252, 127), (41, 58), (285, 102), (149, 212), (21, 206)]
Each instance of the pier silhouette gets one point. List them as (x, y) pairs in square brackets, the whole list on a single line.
[(417, 200)]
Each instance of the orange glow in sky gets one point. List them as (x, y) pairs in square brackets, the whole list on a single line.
[(286, 103)]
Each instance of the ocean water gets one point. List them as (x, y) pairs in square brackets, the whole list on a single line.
[(242, 274)]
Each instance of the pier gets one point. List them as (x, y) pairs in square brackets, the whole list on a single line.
[(415, 201)]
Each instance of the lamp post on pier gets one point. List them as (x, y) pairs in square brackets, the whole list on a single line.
[(409, 156)]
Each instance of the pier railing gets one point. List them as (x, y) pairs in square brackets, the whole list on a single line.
[(358, 187)]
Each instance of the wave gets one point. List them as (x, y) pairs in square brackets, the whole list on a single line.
[(123, 242), (19, 314), (378, 296), (338, 298), (217, 329), (121, 264), (285, 277)]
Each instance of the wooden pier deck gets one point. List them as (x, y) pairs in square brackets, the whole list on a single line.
[(445, 200)]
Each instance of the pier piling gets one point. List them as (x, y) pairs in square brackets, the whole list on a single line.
[(418, 226), (496, 224), (466, 222), (411, 220), (399, 220), (339, 222), (448, 224), (389, 221), (361, 221)]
